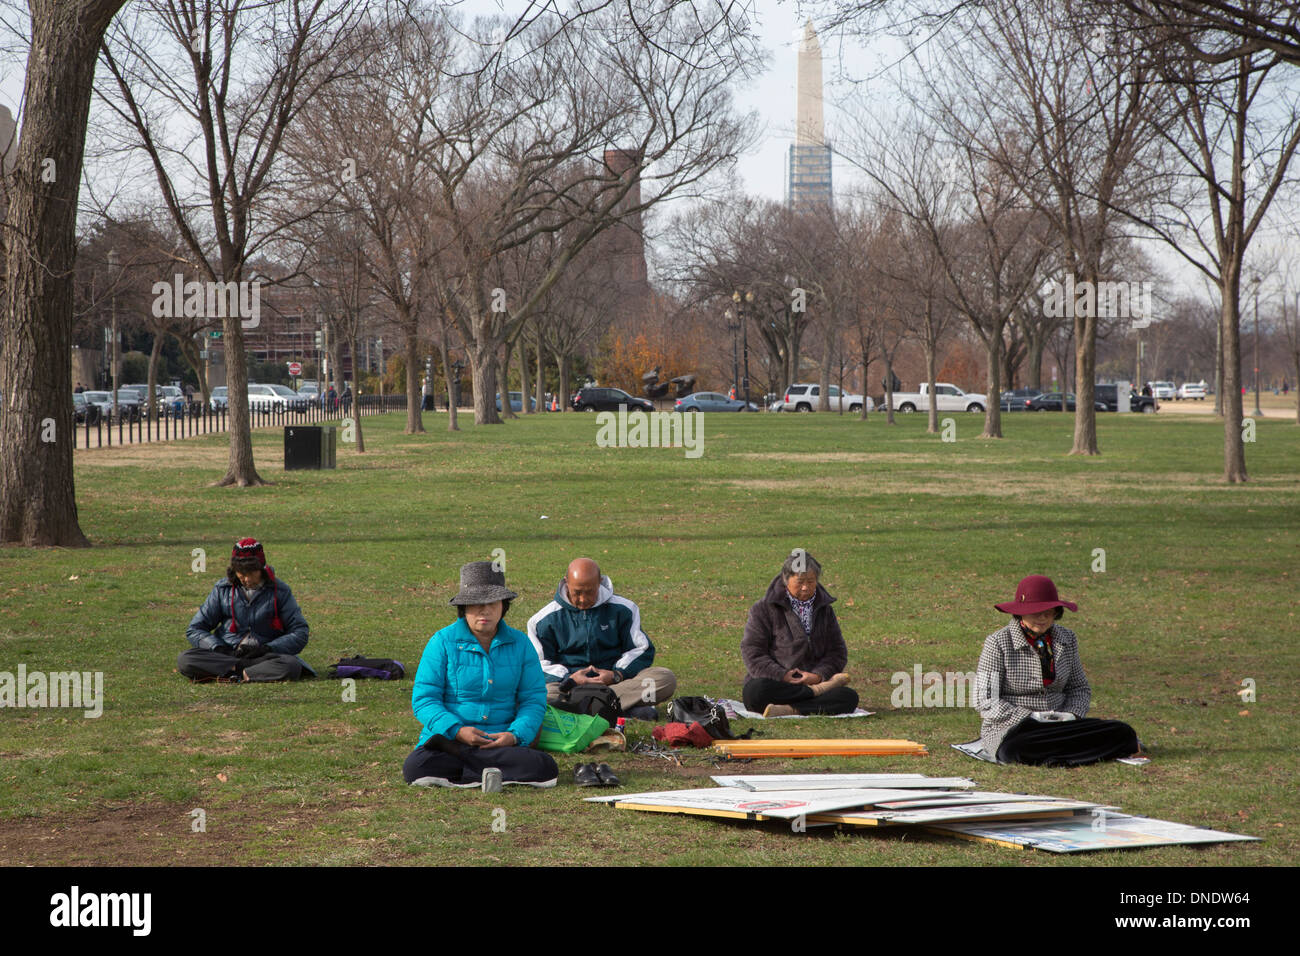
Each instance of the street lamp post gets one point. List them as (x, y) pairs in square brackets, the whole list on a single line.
[(733, 326), (743, 313)]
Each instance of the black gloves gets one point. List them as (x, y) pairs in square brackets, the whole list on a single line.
[(250, 646)]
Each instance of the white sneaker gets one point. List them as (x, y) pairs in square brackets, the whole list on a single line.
[(443, 782)]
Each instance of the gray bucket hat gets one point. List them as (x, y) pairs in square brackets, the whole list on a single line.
[(480, 583)]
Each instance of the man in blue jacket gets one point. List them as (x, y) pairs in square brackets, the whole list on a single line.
[(590, 635), (250, 627)]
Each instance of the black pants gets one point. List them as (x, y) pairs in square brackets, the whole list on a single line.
[(200, 665), (460, 763), (760, 691), (1070, 743)]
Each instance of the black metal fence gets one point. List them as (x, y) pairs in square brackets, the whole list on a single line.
[(201, 419)]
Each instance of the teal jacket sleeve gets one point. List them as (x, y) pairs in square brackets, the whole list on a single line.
[(429, 691), (530, 699)]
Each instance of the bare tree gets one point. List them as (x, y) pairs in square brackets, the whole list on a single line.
[(233, 77), (522, 149), (1239, 130)]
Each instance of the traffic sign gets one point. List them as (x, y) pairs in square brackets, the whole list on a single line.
[(295, 369)]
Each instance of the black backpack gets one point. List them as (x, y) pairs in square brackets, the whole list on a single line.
[(596, 699)]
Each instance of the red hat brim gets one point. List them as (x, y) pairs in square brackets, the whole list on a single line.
[(1034, 607)]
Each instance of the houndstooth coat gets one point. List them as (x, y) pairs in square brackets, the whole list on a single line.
[(1009, 681)]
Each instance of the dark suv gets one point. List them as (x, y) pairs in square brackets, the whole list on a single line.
[(598, 399), (1108, 395)]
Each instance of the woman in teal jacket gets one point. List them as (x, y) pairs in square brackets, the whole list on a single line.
[(480, 695)]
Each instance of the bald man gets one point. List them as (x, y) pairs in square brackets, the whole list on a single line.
[(590, 634)]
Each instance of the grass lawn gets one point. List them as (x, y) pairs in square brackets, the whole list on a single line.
[(918, 538)]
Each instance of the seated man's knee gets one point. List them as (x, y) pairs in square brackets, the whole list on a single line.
[(274, 667)]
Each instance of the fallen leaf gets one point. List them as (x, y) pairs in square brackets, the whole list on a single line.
[(222, 777)]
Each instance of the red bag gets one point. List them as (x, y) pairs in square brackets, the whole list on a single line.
[(678, 734)]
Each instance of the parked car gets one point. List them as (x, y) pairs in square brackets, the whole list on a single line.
[(1137, 402), (806, 397), (517, 402), (1051, 402), (1192, 390), (266, 398), (1163, 389), (712, 402), (128, 404), (309, 391), (292, 400), (949, 398), (1013, 400), (218, 400), (594, 398)]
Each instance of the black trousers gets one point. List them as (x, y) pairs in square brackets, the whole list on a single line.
[(460, 763), (1071, 743), (761, 691), (201, 665)]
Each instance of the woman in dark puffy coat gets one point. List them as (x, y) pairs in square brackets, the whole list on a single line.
[(793, 650)]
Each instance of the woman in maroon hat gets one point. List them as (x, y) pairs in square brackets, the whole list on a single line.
[(1031, 690), (249, 628)]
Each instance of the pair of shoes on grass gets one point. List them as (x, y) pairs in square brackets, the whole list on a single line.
[(594, 775)]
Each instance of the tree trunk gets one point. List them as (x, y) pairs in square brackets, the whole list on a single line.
[(191, 354), (503, 387), (414, 418), (1085, 384), (1234, 452), (483, 363), (240, 470), (824, 382), (152, 379), (932, 424), (1034, 359), (540, 388), (993, 398), (866, 374), (38, 503), (562, 363), (447, 374), (522, 344), (889, 388), (355, 411)]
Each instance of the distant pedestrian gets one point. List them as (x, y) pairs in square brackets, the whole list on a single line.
[(347, 399), (1286, 386), (333, 399), (79, 389)]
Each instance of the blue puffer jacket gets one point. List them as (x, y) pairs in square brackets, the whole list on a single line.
[(459, 685), (211, 625)]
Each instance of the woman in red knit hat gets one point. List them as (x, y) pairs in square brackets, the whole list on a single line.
[(249, 628), (1031, 690)]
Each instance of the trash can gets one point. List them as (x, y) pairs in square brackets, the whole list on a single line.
[(310, 447)]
